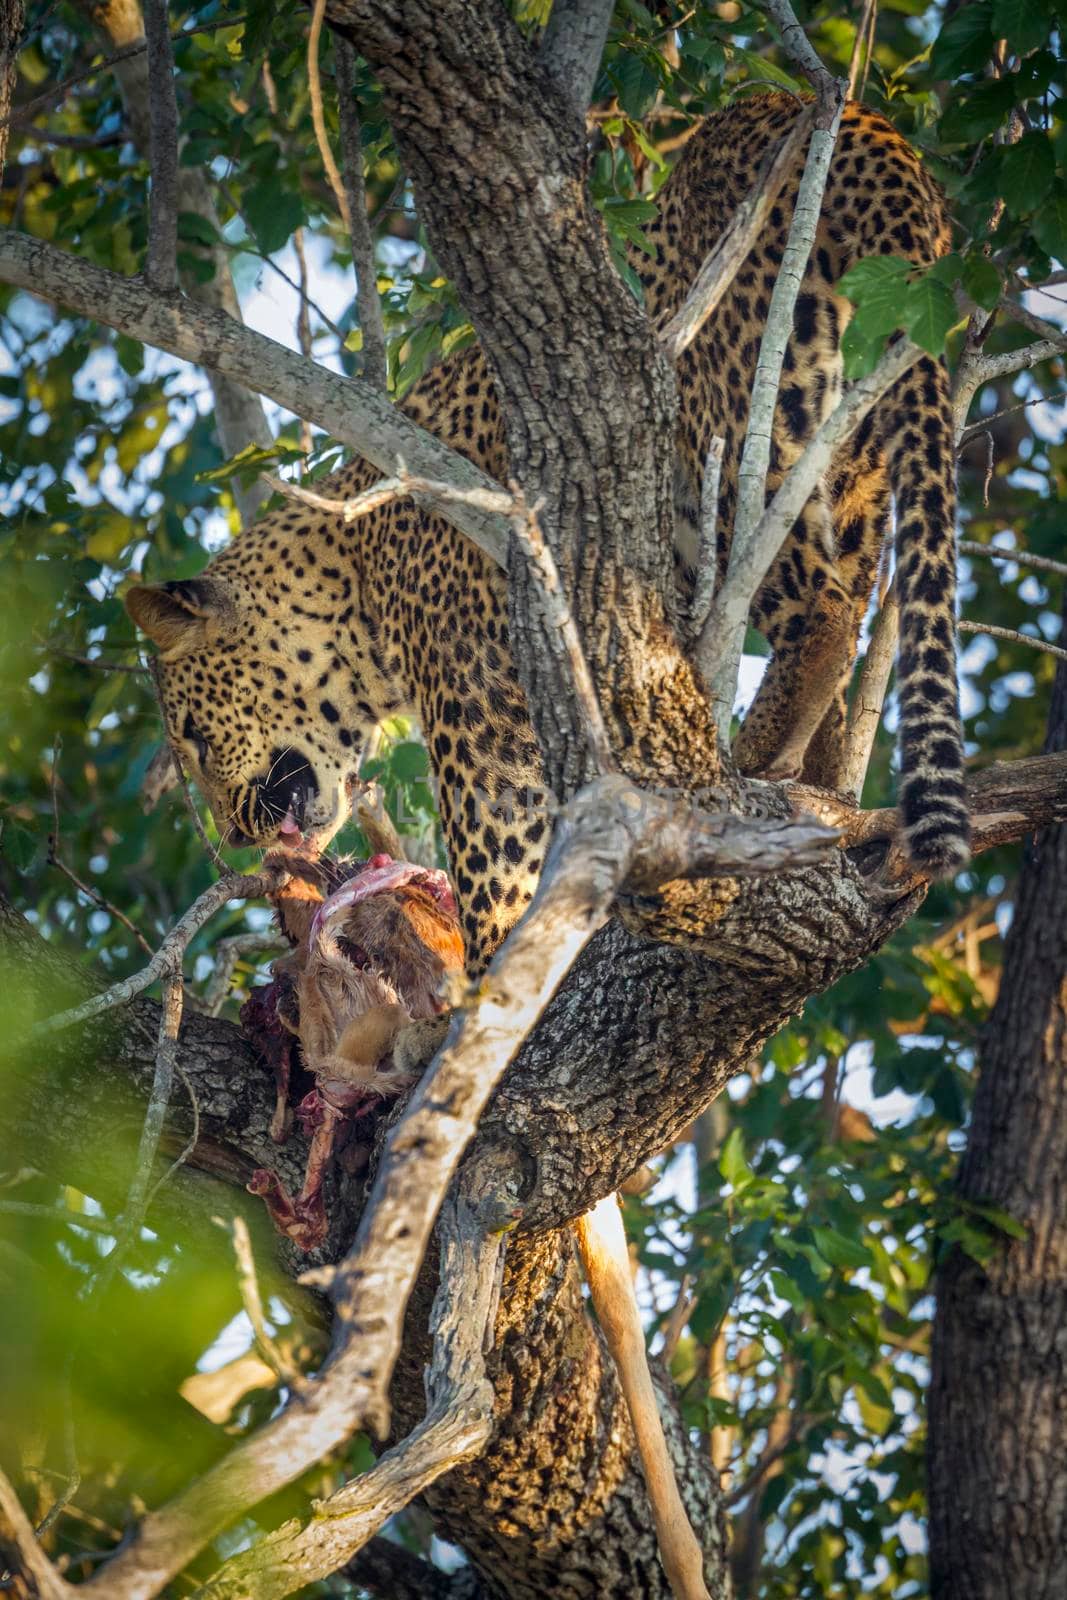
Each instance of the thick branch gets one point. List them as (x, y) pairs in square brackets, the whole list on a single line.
[(161, 265), (573, 44), (353, 413)]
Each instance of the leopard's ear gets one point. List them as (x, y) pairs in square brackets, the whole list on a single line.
[(175, 615)]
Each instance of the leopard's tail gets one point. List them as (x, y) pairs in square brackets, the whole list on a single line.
[(921, 461)]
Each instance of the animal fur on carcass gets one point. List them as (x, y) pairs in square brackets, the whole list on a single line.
[(374, 945)]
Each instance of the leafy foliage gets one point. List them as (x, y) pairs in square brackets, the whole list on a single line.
[(812, 1220)]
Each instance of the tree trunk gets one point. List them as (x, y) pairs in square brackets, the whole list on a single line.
[(998, 1396)]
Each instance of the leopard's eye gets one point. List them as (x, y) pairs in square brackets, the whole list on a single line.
[(192, 734)]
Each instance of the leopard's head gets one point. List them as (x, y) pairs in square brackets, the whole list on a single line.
[(248, 707)]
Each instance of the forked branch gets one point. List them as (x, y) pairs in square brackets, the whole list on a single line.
[(455, 1428)]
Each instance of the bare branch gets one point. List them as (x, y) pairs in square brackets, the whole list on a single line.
[(862, 50), (756, 455), (1005, 801), (573, 44), (167, 961), (226, 954), (528, 531), (161, 263), (975, 369), (355, 414), (866, 711), (722, 264), (318, 116), (1020, 558), (252, 1301), (456, 1427), (140, 1191), (368, 300), (602, 1242), (1014, 636), (801, 51), (718, 648), (12, 16), (17, 1535)]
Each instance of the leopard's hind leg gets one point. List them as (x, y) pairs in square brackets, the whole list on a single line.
[(807, 617), (861, 502)]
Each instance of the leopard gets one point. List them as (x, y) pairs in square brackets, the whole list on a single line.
[(307, 631)]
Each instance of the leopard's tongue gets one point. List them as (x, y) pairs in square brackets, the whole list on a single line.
[(379, 875), (289, 829)]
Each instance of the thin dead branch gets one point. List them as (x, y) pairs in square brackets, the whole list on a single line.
[(602, 1242), (226, 955), (719, 645), (722, 264), (1014, 636), (862, 51), (268, 1347), (976, 369), (1020, 558), (141, 1190), (355, 414), (756, 455), (17, 1536), (318, 115), (865, 713), (161, 263), (167, 961), (368, 301), (558, 612)]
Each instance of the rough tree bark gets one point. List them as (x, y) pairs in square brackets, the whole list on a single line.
[(628, 1053), (998, 1445), (497, 154), (644, 1034)]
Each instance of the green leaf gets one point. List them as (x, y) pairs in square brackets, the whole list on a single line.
[(104, 698), (877, 287), (130, 355), (273, 214), (839, 1251), (17, 844), (408, 762), (1049, 226), (193, 226), (732, 1164), (980, 112), (1003, 1220), (1024, 23), (929, 312), (764, 71), (965, 42), (982, 281), (1027, 173)]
